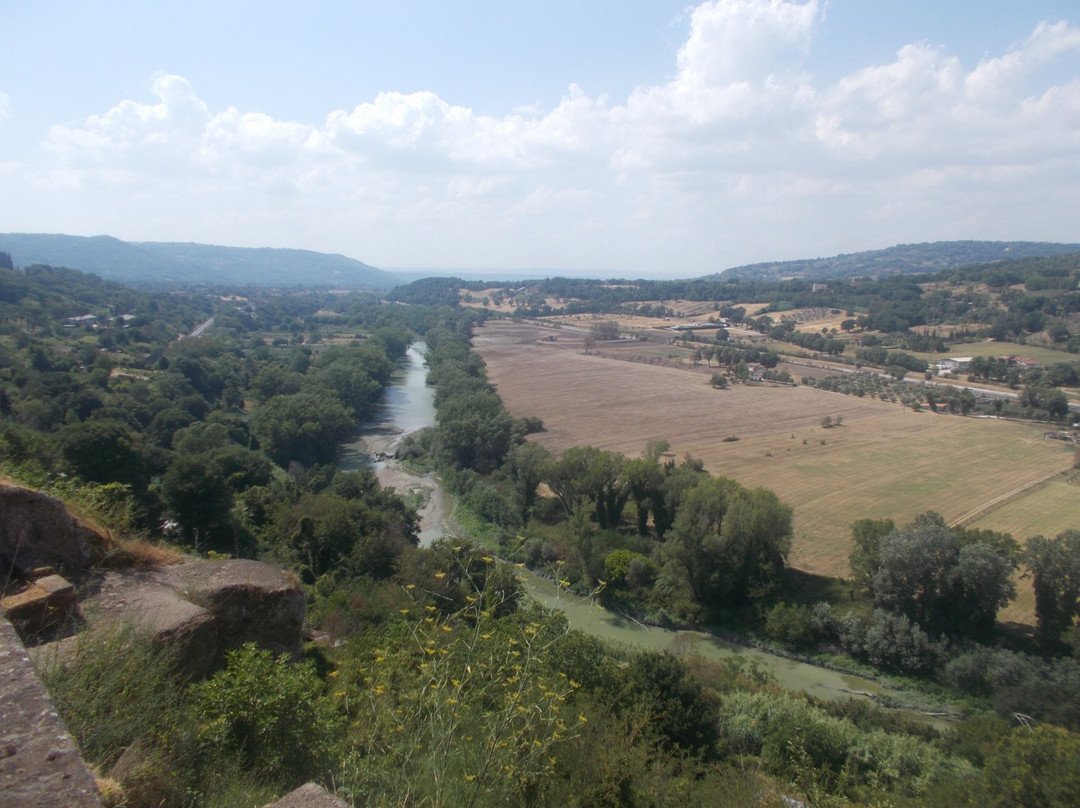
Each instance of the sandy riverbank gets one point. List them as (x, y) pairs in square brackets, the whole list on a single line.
[(436, 515)]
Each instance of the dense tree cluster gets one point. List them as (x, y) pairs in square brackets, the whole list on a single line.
[(98, 383), (948, 580)]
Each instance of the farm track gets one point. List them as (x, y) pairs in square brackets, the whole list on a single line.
[(1005, 499)]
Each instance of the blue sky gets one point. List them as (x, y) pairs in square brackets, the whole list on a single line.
[(632, 138)]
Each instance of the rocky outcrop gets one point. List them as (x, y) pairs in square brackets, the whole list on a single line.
[(202, 608), (46, 603), (309, 796), (40, 766), (250, 602), (36, 530)]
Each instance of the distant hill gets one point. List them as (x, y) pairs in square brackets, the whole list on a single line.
[(906, 259), (174, 263)]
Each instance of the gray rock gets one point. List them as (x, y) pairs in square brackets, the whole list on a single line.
[(37, 531), (309, 796), (44, 604), (250, 601)]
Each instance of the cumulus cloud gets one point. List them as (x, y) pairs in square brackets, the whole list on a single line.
[(741, 139)]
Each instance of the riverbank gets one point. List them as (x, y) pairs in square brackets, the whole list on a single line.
[(434, 506)]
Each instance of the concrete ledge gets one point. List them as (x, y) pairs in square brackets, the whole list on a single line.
[(40, 765)]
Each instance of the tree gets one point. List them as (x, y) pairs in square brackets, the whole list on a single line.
[(102, 452), (526, 464), (306, 427), (645, 478), (1054, 566), (587, 474), (605, 330), (946, 580), (198, 497), (476, 432), (728, 542), (326, 532), (866, 535)]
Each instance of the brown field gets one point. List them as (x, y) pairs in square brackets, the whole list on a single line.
[(884, 461), (813, 320)]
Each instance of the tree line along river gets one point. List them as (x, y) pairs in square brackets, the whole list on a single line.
[(409, 405)]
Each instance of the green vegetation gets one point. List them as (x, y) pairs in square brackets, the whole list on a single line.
[(440, 684)]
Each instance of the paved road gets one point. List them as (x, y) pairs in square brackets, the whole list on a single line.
[(197, 332)]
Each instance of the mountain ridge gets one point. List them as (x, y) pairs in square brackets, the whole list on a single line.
[(901, 259), (167, 262), (171, 263)]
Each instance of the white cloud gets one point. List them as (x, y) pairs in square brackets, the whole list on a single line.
[(744, 41), (740, 140)]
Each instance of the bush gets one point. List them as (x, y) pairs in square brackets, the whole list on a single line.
[(268, 715), (890, 642), (799, 626)]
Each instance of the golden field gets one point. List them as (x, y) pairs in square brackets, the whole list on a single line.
[(884, 461)]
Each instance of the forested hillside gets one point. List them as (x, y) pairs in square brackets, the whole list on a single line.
[(903, 259), (168, 264)]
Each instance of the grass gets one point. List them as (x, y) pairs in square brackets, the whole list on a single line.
[(1048, 356)]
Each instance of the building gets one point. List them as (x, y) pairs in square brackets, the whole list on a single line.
[(954, 365)]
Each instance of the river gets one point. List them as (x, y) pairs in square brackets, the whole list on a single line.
[(410, 405)]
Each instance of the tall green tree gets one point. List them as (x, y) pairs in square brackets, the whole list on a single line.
[(1054, 567), (728, 542), (587, 474), (950, 581), (306, 427), (526, 464)]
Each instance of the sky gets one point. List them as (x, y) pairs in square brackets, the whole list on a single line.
[(632, 138)]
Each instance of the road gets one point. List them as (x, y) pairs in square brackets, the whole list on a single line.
[(198, 330)]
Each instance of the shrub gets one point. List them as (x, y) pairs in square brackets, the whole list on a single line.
[(888, 641), (799, 626), (267, 714)]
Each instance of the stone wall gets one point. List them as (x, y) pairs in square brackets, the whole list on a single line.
[(39, 762)]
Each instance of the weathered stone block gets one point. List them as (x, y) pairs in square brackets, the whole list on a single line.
[(40, 766), (309, 796), (250, 601), (44, 604)]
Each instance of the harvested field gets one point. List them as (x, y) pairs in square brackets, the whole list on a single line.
[(884, 461), (1048, 356)]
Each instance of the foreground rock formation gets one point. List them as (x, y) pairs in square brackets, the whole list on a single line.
[(200, 608), (36, 530)]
